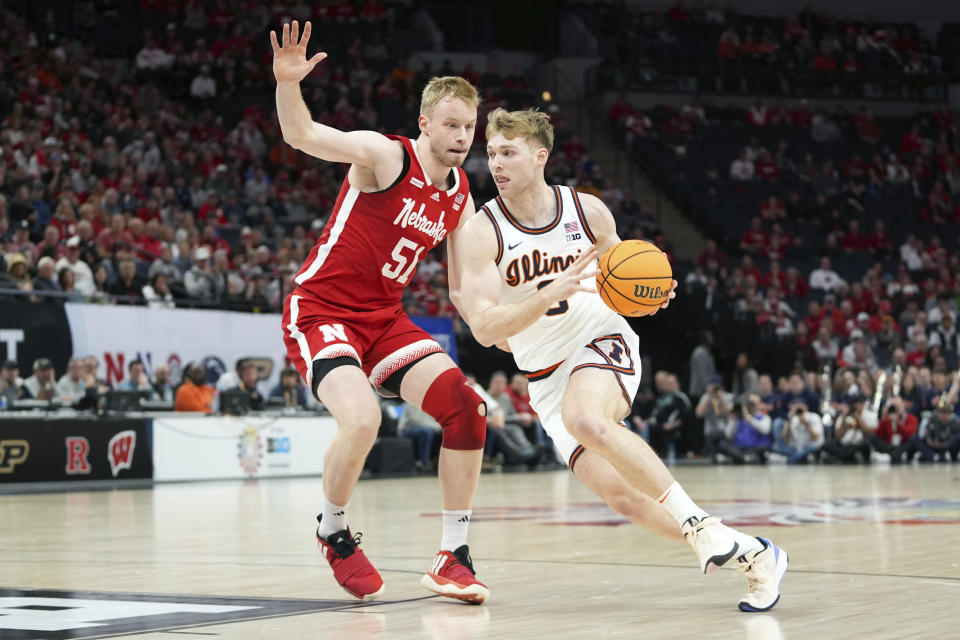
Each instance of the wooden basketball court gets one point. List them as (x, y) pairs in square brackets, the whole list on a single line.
[(874, 553)]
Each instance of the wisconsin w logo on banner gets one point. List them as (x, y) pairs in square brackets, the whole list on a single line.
[(120, 451)]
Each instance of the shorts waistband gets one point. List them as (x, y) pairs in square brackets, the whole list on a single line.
[(533, 376)]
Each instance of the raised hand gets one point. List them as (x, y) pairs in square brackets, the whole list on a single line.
[(569, 282), (290, 62)]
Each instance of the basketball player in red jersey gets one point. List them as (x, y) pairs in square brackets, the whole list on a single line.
[(344, 327)]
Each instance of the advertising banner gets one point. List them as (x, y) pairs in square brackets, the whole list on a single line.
[(34, 450), (213, 448), (31, 330), (441, 330), (117, 335)]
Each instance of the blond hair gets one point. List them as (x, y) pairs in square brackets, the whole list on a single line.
[(531, 124), (447, 87)]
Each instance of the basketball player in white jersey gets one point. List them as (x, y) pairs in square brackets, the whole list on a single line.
[(527, 280)]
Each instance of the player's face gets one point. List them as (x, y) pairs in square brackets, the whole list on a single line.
[(513, 163), (450, 128)]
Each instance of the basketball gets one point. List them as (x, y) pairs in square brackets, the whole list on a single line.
[(635, 278)]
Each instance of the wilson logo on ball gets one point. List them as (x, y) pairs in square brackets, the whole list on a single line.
[(641, 291)]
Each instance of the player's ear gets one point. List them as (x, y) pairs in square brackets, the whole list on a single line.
[(424, 124)]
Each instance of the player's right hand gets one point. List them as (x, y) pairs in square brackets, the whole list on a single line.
[(570, 281), (290, 62)]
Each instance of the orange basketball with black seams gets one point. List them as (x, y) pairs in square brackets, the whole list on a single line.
[(635, 278)]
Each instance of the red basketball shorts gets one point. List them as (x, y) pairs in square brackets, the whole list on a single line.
[(381, 340)]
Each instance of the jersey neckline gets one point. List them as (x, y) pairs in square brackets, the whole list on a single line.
[(532, 230), (456, 174)]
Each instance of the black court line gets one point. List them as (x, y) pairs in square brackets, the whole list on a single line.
[(427, 559), (478, 560)]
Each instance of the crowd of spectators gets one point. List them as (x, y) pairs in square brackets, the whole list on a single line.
[(848, 414), (156, 174), (705, 48), (194, 389)]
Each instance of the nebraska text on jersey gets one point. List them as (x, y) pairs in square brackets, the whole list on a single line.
[(408, 217)]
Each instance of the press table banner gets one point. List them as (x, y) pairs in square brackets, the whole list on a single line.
[(210, 448), (119, 334), (45, 450)]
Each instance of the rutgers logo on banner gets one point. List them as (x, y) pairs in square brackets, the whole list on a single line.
[(78, 448), (120, 451)]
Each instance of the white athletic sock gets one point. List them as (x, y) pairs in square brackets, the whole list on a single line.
[(455, 525), (679, 505), (747, 543), (333, 518)]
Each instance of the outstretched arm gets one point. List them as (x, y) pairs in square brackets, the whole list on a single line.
[(490, 321), (290, 66)]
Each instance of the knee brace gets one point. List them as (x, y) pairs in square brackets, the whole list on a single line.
[(459, 409)]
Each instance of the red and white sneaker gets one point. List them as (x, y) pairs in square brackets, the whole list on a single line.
[(452, 575), (350, 565)]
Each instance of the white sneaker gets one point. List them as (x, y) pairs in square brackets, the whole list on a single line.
[(879, 457), (764, 570), (714, 546), (777, 458)]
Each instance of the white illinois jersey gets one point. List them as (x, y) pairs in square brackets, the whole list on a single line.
[(530, 259)]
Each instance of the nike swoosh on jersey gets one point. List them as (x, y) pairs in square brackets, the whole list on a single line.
[(514, 246)]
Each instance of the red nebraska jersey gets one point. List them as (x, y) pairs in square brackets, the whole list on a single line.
[(372, 243)]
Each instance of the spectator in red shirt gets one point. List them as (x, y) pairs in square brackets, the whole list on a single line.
[(776, 278), (729, 46), (620, 109), (861, 299), (830, 310), (765, 167), (918, 357), (795, 286), (824, 61), (813, 317), (780, 243), (150, 211), (773, 209), (113, 235), (853, 240), (711, 258), (801, 116), (526, 416), (749, 270), (754, 240), (880, 240), (893, 434), (912, 141)]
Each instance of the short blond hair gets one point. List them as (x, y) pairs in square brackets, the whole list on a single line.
[(447, 87), (532, 124)]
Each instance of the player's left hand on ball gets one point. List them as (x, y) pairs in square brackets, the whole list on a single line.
[(673, 294)]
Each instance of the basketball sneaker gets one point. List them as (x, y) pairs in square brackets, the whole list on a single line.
[(452, 575), (764, 570), (350, 565), (714, 546)]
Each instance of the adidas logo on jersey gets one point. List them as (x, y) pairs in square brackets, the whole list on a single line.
[(417, 183), (435, 196)]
